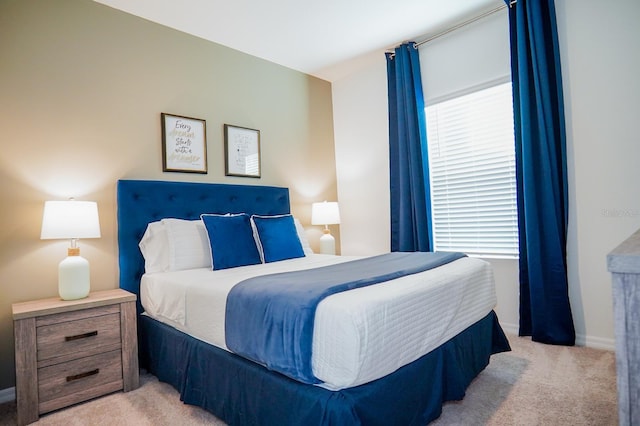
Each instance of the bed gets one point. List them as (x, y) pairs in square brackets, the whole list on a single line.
[(244, 392)]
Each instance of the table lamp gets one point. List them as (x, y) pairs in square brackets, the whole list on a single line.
[(326, 213), (74, 220)]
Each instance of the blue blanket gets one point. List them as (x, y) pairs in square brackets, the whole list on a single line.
[(269, 319)]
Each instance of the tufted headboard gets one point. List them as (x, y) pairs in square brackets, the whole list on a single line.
[(143, 201)]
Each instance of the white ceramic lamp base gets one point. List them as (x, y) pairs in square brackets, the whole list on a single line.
[(73, 276), (327, 244)]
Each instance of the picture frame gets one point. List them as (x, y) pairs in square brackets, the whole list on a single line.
[(242, 151), (184, 144)]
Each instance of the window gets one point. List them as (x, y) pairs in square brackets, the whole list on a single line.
[(472, 173)]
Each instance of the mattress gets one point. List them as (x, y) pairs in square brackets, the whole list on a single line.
[(359, 335)]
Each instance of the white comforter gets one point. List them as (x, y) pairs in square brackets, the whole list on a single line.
[(360, 335)]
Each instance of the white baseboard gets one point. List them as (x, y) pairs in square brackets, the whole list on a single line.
[(581, 339), (509, 328), (7, 395), (596, 342)]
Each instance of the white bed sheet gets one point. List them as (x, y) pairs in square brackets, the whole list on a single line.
[(359, 335)]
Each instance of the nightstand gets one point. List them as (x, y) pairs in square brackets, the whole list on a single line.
[(71, 351)]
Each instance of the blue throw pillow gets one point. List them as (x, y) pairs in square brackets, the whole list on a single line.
[(231, 240), (277, 237)]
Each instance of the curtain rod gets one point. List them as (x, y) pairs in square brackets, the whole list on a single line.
[(462, 24)]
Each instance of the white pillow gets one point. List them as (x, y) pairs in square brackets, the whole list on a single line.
[(155, 248), (188, 244), (302, 235), (176, 244)]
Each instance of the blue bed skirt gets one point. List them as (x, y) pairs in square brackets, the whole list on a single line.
[(241, 392)]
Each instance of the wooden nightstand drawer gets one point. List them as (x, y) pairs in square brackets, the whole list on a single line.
[(65, 336), (71, 382)]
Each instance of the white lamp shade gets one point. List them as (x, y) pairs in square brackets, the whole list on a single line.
[(325, 213), (70, 219)]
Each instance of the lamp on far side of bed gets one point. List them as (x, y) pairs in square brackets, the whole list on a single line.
[(326, 213), (71, 219)]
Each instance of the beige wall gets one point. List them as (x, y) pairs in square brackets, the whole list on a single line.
[(82, 87)]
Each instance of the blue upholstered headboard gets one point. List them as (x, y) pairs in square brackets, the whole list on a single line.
[(143, 201)]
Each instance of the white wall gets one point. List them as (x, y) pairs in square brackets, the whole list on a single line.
[(600, 53), (360, 120), (600, 48)]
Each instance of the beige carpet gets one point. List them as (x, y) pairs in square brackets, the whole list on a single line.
[(534, 384)]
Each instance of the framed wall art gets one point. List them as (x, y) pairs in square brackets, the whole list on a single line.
[(184, 144), (241, 151)]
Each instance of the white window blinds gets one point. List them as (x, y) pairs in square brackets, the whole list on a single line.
[(472, 173)]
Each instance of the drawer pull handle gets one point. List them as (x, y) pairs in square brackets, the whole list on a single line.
[(81, 336), (83, 375)]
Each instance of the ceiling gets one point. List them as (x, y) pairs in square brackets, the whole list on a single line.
[(327, 38)]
